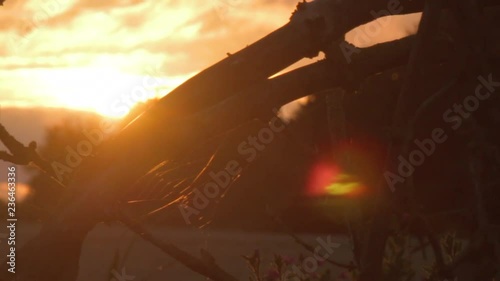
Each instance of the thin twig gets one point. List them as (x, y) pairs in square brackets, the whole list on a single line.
[(205, 267), (24, 155)]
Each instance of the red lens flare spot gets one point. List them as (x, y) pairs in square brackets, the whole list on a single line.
[(322, 175), (327, 179)]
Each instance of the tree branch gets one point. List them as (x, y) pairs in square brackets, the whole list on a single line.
[(206, 267), (23, 155)]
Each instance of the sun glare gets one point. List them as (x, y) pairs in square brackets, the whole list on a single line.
[(108, 92)]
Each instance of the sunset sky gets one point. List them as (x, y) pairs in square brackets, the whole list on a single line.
[(102, 55)]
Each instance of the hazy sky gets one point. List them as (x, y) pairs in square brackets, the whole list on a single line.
[(96, 54)]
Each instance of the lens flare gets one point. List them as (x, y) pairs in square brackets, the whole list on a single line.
[(327, 179), (22, 192), (343, 184)]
